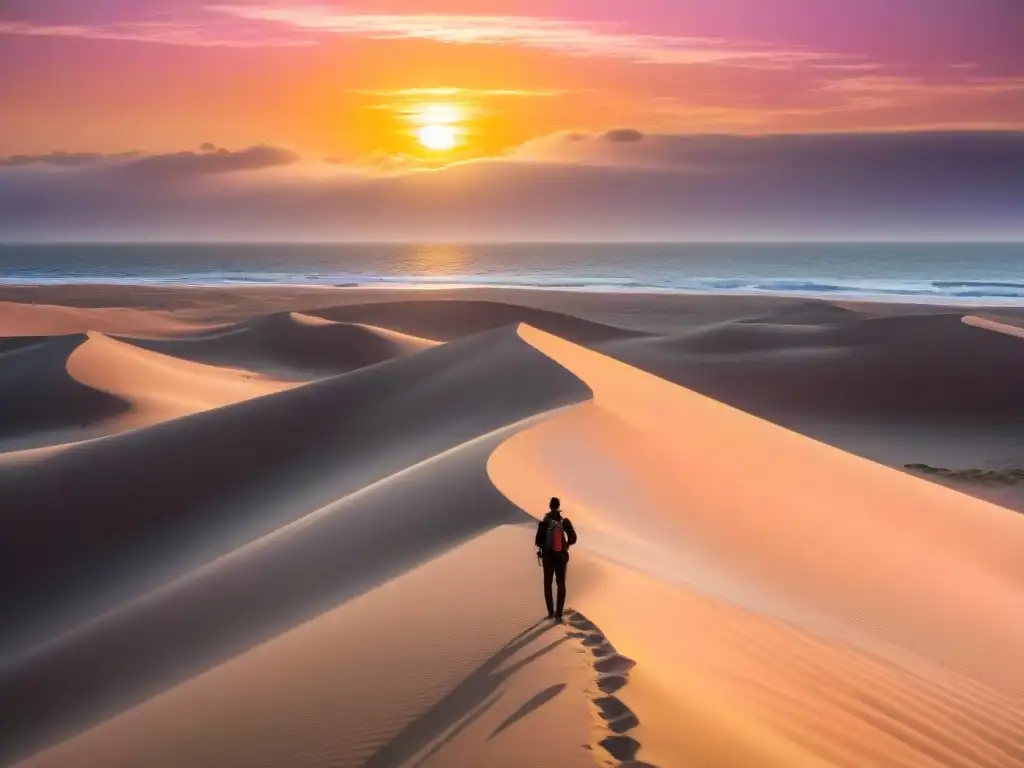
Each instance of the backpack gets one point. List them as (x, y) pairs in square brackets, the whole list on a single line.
[(555, 540)]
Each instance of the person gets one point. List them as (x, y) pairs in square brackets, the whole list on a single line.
[(555, 535)]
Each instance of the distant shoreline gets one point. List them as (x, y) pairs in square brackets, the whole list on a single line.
[(836, 293), (965, 274)]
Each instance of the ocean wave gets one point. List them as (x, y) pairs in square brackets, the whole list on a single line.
[(935, 291)]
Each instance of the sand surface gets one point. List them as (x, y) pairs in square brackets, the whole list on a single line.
[(293, 527)]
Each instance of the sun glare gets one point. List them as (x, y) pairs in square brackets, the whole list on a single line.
[(438, 126), (439, 138)]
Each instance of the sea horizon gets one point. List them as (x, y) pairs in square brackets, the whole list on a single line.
[(968, 272)]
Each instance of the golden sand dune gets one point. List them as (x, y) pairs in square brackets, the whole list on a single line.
[(432, 668), (292, 345), (999, 325), (802, 606), (40, 394), (70, 387), (342, 573), (154, 504), (26, 319)]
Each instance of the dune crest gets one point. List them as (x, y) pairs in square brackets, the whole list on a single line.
[(450, 319), (771, 556), (156, 386), (994, 325), (70, 388), (21, 319), (292, 345), (342, 572)]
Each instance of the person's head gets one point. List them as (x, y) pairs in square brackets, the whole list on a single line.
[(555, 504)]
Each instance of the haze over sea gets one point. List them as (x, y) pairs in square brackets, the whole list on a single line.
[(958, 272)]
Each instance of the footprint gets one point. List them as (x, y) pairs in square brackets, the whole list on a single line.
[(614, 664), (610, 683), (621, 747), (612, 670), (603, 651), (578, 621), (619, 717)]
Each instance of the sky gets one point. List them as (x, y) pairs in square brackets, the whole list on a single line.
[(511, 119)]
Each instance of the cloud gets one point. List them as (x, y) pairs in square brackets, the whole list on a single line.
[(572, 38), (989, 159), (63, 159), (620, 136), (164, 33), (580, 186), (208, 161), (165, 167), (885, 90), (952, 99), (467, 93)]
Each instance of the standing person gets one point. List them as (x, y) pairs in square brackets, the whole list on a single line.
[(555, 535)]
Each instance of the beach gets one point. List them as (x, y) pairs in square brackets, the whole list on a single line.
[(293, 526)]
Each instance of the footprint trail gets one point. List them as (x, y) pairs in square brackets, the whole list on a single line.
[(614, 745)]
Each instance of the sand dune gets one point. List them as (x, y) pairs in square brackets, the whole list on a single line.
[(292, 345), (811, 603), (808, 313), (454, 318), (400, 675), (457, 402), (1010, 328), (256, 592), (341, 573), (136, 508), (906, 368), (31, 319), (80, 386), (39, 394)]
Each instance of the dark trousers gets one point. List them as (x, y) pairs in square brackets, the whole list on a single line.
[(555, 566)]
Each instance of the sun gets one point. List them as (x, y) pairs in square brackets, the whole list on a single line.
[(439, 127), (438, 137)]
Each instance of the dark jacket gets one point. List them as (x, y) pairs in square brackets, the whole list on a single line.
[(542, 531)]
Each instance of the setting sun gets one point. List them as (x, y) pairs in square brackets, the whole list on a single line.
[(438, 138), (437, 127)]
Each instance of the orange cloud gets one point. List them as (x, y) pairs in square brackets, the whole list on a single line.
[(165, 33), (572, 38)]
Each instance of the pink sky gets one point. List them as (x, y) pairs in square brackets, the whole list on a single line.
[(543, 118), (333, 78)]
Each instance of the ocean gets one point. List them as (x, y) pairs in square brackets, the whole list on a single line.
[(960, 272)]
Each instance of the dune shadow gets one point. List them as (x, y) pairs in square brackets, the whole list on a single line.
[(467, 721), (529, 707), (471, 693)]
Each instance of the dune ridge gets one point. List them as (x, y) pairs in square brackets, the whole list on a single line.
[(253, 593), (233, 473), (908, 367), (364, 684), (738, 526), (70, 388), (291, 344), (450, 319), (258, 474), (31, 318), (39, 393), (341, 572)]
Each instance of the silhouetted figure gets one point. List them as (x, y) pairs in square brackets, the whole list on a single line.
[(555, 535)]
